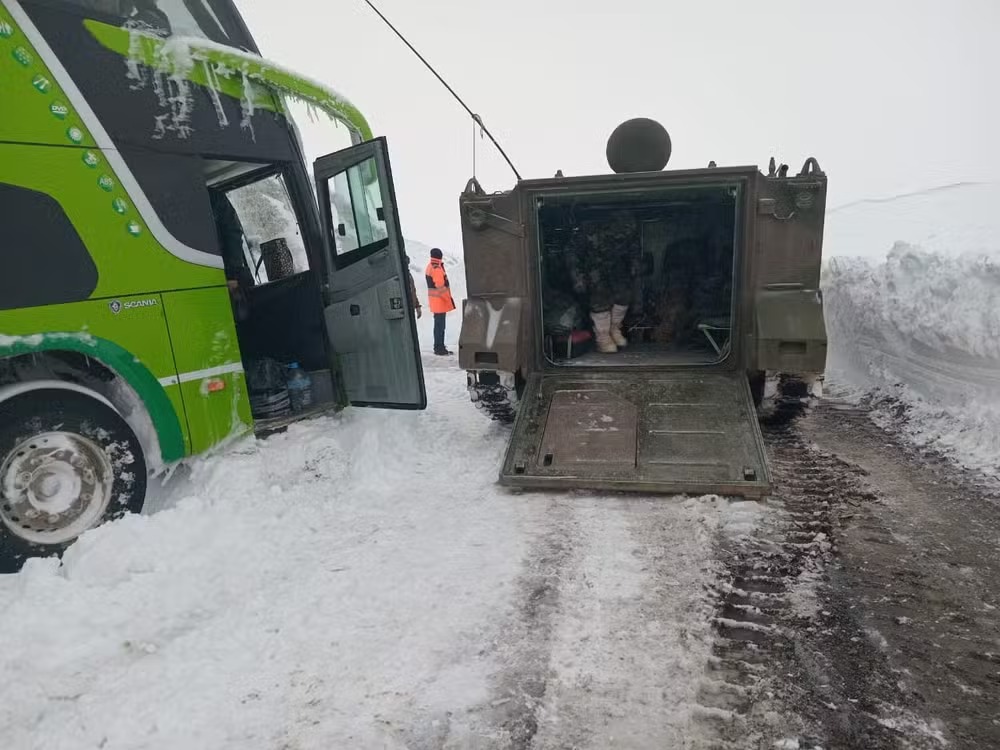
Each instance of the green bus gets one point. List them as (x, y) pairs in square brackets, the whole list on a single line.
[(166, 255)]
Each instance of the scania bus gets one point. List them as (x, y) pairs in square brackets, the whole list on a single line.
[(165, 252)]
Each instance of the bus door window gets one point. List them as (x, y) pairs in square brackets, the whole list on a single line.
[(356, 212)]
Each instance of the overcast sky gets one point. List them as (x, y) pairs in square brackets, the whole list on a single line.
[(890, 96)]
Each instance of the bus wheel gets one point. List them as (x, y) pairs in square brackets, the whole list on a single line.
[(68, 462)]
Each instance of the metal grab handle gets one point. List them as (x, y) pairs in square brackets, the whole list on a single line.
[(810, 167)]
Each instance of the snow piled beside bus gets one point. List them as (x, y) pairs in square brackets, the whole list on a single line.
[(918, 334)]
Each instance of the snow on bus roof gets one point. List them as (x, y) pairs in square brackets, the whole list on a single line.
[(183, 51)]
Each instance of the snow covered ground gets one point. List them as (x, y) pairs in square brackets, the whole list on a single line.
[(912, 293), (362, 582)]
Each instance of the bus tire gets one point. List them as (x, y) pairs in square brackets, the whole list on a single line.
[(68, 463)]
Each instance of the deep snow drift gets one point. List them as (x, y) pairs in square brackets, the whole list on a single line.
[(923, 325), (313, 590)]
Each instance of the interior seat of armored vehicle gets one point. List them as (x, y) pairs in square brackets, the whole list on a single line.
[(680, 256)]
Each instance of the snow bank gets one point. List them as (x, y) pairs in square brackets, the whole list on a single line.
[(922, 328), (318, 589), (947, 305)]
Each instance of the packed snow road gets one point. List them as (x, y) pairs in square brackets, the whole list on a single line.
[(361, 582)]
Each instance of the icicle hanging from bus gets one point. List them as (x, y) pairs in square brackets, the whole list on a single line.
[(176, 62)]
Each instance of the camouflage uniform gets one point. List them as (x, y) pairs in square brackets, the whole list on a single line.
[(603, 261)]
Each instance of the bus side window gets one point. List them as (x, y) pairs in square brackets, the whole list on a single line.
[(45, 260)]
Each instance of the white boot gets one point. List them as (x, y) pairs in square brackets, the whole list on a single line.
[(617, 318), (602, 332)]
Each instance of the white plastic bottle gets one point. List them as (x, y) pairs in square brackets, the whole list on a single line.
[(299, 388)]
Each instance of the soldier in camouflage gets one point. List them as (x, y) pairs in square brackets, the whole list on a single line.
[(603, 261)]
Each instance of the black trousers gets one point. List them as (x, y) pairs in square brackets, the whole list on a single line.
[(439, 331)]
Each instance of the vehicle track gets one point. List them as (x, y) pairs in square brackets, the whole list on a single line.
[(792, 661), (923, 571)]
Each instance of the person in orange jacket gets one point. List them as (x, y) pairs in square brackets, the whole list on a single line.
[(439, 297)]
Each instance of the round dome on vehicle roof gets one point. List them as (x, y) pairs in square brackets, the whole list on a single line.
[(638, 145)]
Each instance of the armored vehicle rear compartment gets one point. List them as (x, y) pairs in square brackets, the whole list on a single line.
[(631, 323)]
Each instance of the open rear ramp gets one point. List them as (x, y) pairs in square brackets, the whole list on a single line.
[(683, 433)]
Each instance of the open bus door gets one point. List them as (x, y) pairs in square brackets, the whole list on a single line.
[(369, 309)]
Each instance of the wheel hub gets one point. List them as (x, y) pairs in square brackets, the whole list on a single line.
[(54, 486)]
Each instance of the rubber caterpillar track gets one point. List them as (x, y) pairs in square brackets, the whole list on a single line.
[(495, 401)]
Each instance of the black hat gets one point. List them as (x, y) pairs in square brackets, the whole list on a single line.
[(436, 253)]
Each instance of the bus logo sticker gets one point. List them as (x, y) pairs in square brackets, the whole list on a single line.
[(120, 206), (59, 110), (90, 159), (75, 135), (6, 30), (41, 83), (106, 183), (22, 56), (117, 306)]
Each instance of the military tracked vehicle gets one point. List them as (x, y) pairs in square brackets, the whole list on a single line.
[(725, 319)]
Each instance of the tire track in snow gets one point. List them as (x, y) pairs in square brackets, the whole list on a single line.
[(632, 631), (611, 629), (510, 720)]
